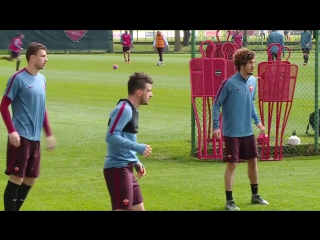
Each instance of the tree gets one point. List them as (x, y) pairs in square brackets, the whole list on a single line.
[(186, 37), (131, 33), (177, 41)]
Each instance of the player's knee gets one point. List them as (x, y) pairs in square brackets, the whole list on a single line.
[(29, 181), (138, 207), (15, 179)]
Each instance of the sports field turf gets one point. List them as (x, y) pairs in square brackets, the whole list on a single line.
[(83, 89)]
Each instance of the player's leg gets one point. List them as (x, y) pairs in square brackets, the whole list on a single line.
[(31, 173), (124, 50), (249, 151), (307, 55), (16, 56), (160, 53), (8, 58), (16, 166), (129, 53), (232, 157), (119, 184), (137, 196)]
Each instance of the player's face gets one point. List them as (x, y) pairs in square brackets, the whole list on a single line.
[(249, 67), (146, 94), (41, 59)]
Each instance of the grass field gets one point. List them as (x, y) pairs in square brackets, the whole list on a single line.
[(83, 89)]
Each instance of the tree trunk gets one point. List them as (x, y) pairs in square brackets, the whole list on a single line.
[(245, 38), (131, 33), (186, 37), (177, 41)]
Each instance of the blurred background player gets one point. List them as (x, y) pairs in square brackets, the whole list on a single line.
[(15, 48), (263, 34), (160, 43), (126, 40), (287, 34), (237, 38), (275, 37), (305, 43)]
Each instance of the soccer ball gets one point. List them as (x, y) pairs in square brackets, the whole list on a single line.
[(115, 66)]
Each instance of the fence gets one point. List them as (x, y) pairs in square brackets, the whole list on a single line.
[(63, 41), (305, 99)]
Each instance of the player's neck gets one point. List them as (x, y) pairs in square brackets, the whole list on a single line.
[(244, 75), (135, 102), (32, 70)]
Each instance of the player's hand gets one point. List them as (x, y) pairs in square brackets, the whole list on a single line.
[(51, 143), (14, 139), (148, 151), (141, 170), (217, 133), (261, 127)]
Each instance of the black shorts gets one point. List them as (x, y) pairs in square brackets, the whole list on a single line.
[(306, 50), (15, 54), (125, 49)]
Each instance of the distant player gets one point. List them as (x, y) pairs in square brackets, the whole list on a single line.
[(237, 38), (126, 41), (236, 96), (160, 43), (26, 93), (263, 34), (275, 37), (15, 48), (122, 146), (287, 34), (306, 44)]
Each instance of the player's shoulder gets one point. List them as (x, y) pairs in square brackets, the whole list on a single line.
[(18, 75), (124, 105)]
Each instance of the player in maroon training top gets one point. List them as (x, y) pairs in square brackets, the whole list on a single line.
[(15, 48), (126, 41)]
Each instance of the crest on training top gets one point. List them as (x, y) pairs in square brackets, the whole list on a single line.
[(75, 35)]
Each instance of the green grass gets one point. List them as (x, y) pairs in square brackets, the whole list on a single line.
[(83, 89)]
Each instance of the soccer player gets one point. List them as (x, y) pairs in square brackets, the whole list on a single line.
[(126, 40), (275, 37), (122, 146), (263, 34), (237, 38), (160, 43), (236, 97), (305, 43), (15, 48), (287, 34), (26, 93)]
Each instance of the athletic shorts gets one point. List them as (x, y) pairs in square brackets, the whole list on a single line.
[(125, 49), (23, 161), (123, 187), (237, 148)]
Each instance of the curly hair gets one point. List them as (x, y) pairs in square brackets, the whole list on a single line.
[(242, 56)]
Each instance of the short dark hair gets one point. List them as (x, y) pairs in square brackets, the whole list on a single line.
[(242, 56), (33, 49), (138, 80)]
